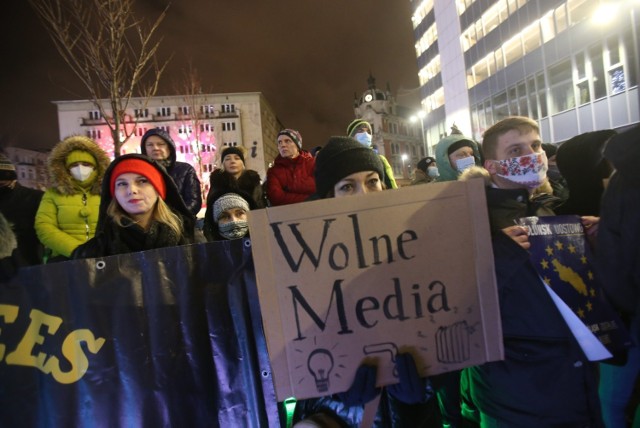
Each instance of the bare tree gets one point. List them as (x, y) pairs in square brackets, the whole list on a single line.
[(191, 88), (112, 52)]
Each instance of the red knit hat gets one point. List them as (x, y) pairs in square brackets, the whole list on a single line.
[(138, 166)]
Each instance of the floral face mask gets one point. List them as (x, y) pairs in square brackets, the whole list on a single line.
[(528, 171)]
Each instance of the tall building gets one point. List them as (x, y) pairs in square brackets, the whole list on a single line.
[(572, 65), (395, 136), (201, 126)]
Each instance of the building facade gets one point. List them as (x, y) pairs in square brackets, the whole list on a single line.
[(572, 65), (31, 166), (395, 135), (201, 126)]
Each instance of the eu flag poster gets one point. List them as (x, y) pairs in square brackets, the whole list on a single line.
[(561, 255)]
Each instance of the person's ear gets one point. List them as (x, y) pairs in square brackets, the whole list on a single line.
[(490, 166)]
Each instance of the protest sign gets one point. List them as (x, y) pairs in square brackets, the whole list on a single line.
[(561, 256), (345, 279), (168, 337)]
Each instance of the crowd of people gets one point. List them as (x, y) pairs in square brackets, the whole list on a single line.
[(145, 201)]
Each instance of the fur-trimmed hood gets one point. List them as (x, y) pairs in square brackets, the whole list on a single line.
[(59, 176)]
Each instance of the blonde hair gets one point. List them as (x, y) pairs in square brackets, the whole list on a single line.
[(490, 137), (161, 213)]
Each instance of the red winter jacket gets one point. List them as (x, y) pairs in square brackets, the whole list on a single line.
[(291, 180)]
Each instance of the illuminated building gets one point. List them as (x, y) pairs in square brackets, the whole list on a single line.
[(394, 135), (202, 126), (571, 65)]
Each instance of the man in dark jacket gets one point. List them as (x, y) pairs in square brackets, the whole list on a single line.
[(157, 144), (545, 379), (19, 206)]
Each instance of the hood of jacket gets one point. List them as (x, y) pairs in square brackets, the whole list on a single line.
[(167, 138), (623, 151), (59, 176), (172, 198), (447, 173)]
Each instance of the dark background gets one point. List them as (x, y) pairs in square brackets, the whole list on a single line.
[(309, 58)]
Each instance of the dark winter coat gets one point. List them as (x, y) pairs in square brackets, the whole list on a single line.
[(19, 206), (183, 174), (111, 239), (618, 250), (249, 182), (291, 180), (545, 378), (583, 167)]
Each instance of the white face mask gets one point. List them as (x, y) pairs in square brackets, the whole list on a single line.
[(464, 163), (363, 138), (81, 172), (528, 171), (432, 171)]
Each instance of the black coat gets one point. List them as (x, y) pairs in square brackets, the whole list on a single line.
[(186, 179), (19, 206), (545, 378)]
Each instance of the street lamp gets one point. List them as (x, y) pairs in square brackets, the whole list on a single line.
[(420, 116), (404, 157)]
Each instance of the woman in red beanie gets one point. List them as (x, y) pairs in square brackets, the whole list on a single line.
[(140, 210)]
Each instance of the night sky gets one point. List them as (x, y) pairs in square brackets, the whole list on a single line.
[(307, 57)]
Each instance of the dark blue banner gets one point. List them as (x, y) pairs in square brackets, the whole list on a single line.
[(561, 255), (170, 337)]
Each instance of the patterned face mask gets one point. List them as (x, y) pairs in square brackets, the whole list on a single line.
[(528, 171), (234, 229)]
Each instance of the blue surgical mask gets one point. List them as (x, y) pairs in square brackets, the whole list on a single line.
[(363, 138), (464, 163), (432, 172)]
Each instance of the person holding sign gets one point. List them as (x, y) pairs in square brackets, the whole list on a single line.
[(344, 167), (140, 209), (545, 379)]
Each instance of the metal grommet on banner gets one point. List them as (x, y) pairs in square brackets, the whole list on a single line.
[(247, 243), (265, 373), (100, 264)]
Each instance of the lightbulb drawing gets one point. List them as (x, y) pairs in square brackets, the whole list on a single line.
[(320, 364)]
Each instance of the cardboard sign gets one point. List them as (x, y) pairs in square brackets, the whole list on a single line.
[(365, 277)]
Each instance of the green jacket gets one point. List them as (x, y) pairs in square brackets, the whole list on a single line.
[(388, 174), (68, 214)]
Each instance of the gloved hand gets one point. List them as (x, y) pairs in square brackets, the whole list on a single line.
[(412, 388), (363, 389)]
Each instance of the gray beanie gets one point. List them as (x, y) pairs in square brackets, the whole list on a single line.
[(340, 157), (226, 202)]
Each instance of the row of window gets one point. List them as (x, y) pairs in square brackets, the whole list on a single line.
[(604, 69), (529, 39), (96, 134), (490, 19), (142, 113)]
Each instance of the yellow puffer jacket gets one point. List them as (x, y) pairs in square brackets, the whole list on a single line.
[(65, 221), (68, 213)]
